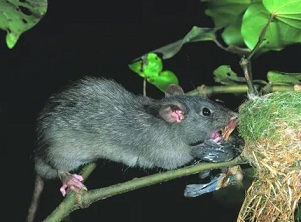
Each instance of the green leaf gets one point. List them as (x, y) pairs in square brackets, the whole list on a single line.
[(288, 11), (287, 16), (232, 34), (18, 16), (276, 77), (254, 20), (153, 65), (225, 12), (137, 68), (224, 75), (150, 68), (284, 28), (164, 79), (196, 34)]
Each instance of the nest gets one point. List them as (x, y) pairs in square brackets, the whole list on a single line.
[(271, 128)]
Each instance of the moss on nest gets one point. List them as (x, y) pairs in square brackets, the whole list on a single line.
[(271, 128), (264, 116)]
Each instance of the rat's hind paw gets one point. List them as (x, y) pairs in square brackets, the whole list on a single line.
[(72, 181)]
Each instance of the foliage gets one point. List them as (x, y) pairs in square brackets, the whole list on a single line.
[(244, 22), (18, 16), (151, 69), (246, 27)]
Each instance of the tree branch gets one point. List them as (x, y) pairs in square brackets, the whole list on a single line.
[(207, 91), (74, 201)]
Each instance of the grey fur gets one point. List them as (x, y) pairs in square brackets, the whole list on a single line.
[(99, 119)]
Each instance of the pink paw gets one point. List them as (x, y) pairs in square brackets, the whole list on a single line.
[(74, 183)]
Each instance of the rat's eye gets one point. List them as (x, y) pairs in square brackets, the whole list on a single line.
[(206, 112)]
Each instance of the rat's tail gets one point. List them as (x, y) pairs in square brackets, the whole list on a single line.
[(37, 190)]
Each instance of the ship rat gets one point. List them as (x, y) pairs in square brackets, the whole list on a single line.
[(97, 118)]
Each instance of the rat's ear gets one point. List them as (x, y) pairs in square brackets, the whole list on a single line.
[(172, 113), (173, 89)]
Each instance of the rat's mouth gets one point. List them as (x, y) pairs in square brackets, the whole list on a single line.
[(217, 136), (225, 133)]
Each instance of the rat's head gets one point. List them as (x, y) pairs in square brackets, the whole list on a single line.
[(196, 119), (193, 118)]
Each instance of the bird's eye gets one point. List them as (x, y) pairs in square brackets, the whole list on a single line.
[(206, 112)]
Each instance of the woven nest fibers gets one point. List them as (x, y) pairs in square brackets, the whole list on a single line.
[(271, 128)]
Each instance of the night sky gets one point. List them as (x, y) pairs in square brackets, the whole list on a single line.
[(78, 38)]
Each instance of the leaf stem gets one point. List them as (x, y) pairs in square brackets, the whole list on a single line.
[(261, 38)]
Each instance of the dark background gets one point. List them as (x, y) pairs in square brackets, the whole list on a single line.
[(98, 38)]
